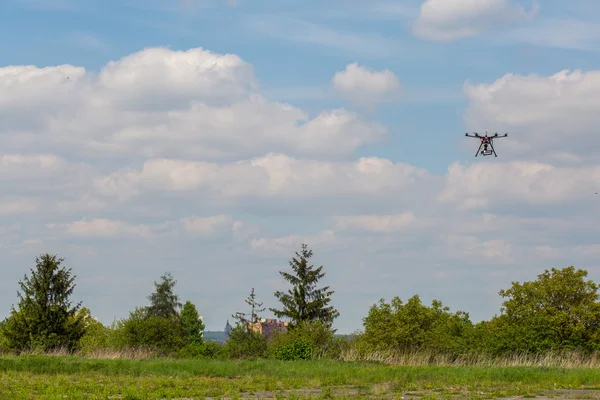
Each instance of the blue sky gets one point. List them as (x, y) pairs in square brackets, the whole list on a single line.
[(106, 200)]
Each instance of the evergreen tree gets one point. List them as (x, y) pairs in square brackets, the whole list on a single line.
[(304, 302), (192, 324), (254, 307), (164, 302), (45, 318)]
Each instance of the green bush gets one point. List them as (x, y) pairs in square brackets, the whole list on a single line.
[(96, 337), (4, 344), (318, 335), (161, 334), (203, 350), (299, 349), (243, 343), (412, 326)]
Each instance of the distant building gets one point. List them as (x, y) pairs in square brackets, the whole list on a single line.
[(267, 327), (227, 330)]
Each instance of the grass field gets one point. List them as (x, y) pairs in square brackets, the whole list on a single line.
[(59, 377)]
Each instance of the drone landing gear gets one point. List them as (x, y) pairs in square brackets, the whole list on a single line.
[(487, 151)]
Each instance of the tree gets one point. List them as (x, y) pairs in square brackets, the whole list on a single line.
[(413, 326), (164, 302), (160, 334), (558, 311), (192, 324), (255, 309), (45, 318), (304, 302)]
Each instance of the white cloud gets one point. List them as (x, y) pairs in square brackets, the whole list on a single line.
[(447, 20), (550, 118), (274, 175), (489, 185), (43, 173), (213, 174), (364, 86), (102, 227), (288, 244), (471, 248), (161, 103), (376, 223), (208, 226), (18, 205)]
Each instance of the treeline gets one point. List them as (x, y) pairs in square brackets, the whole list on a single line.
[(558, 313)]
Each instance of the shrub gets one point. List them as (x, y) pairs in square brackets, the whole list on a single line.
[(243, 343), (299, 349), (203, 350), (96, 337), (161, 334), (318, 335)]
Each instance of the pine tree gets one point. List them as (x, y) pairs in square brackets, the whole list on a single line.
[(304, 302), (164, 302), (45, 318), (255, 309)]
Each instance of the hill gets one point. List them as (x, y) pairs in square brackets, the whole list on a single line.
[(214, 336)]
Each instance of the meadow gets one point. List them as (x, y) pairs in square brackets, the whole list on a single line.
[(75, 377), (544, 344)]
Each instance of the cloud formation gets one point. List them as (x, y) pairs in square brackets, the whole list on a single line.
[(174, 160), (364, 86), (549, 118), (448, 20), (164, 103)]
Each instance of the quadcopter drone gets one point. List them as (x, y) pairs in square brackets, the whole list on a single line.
[(486, 143)]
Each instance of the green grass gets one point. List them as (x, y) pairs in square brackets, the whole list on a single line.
[(52, 377)]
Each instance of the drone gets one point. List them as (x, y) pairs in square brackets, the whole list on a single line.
[(487, 143)]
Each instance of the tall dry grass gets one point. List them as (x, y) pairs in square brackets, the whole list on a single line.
[(99, 354), (572, 359)]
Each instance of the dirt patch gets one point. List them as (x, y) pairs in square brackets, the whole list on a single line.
[(385, 393)]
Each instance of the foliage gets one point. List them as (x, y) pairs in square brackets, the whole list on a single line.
[(245, 343), (557, 315), (45, 318), (305, 302), (96, 335), (4, 343), (558, 311), (164, 303), (299, 349), (317, 334), (203, 350), (414, 326), (192, 324), (163, 335)]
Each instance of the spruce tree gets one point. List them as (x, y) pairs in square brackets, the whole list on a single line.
[(304, 302), (164, 302), (45, 318)]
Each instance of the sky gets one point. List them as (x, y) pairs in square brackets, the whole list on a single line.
[(211, 138)]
